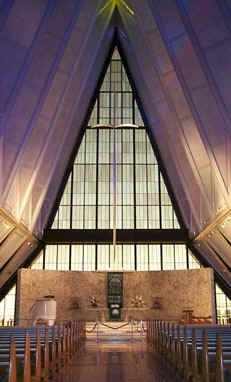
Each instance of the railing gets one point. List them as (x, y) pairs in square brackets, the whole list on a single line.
[(9, 322), (224, 320), (135, 328), (29, 322)]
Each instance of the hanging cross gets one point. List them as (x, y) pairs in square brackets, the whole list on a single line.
[(116, 3), (112, 4)]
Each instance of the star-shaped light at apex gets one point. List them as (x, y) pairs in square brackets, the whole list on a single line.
[(116, 3)]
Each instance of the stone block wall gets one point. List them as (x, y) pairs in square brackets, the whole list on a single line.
[(177, 290)]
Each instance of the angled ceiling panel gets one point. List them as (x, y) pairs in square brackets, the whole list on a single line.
[(5, 228), (18, 259), (50, 105), (180, 64), (16, 242), (10, 245), (209, 174)]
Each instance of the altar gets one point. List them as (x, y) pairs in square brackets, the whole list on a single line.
[(102, 314)]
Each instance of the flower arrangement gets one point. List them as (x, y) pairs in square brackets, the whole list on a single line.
[(137, 302), (93, 301)]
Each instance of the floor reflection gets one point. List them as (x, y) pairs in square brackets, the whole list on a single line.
[(116, 362)]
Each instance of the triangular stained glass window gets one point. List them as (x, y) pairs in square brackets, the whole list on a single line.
[(142, 198)]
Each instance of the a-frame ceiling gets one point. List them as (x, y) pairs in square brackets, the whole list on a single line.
[(52, 54)]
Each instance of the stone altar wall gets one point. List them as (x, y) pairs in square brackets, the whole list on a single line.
[(177, 290)]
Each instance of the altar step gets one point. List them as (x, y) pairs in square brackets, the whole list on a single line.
[(114, 331)]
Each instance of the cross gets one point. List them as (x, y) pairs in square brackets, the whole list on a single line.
[(116, 3)]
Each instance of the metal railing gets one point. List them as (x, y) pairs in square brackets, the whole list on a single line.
[(136, 329)]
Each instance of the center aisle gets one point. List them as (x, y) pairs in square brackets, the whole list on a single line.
[(116, 362)]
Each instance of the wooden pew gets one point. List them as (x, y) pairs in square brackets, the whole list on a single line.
[(40, 351), (202, 354)]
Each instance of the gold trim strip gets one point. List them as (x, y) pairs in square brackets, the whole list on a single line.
[(213, 225), (15, 224)]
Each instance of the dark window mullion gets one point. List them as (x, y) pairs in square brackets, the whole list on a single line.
[(174, 256), (110, 137), (97, 179), (122, 181), (44, 257), (98, 108), (83, 257), (109, 257), (96, 257), (110, 93), (187, 257), (70, 253), (57, 257), (161, 257), (172, 214), (84, 180), (121, 88), (71, 198), (133, 109), (135, 254), (148, 258), (147, 191), (134, 175), (159, 188)]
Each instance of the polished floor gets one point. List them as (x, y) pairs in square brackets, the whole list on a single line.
[(116, 362)]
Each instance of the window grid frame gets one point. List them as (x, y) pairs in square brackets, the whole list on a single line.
[(123, 246)]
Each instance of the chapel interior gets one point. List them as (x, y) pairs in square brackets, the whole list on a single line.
[(115, 159)]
